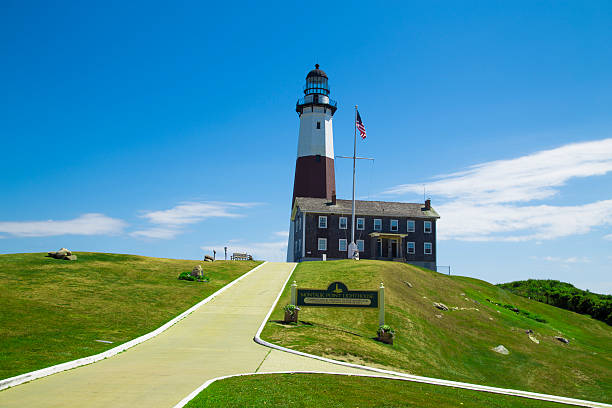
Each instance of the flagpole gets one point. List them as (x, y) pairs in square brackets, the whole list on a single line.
[(352, 252)]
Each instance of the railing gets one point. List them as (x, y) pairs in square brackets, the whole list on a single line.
[(314, 99)]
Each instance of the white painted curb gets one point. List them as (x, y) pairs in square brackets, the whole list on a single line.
[(33, 375), (426, 380)]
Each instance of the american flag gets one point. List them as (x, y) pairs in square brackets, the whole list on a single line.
[(360, 126)]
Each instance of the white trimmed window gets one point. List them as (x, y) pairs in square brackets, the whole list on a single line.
[(322, 221), (343, 223), (394, 225), (322, 244), (427, 248), (427, 227), (411, 226), (360, 223), (377, 224), (410, 248), (342, 244), (360, 246)]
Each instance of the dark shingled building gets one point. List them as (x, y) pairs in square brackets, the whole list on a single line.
[(321, 225), (383, 230)]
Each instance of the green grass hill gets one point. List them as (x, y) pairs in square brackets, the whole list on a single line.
[(565, 296), (455, 344), (52, 311)]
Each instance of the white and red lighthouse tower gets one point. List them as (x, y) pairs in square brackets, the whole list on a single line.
[(314, 166)]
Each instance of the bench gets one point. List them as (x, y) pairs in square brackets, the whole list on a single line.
[(241, 257)]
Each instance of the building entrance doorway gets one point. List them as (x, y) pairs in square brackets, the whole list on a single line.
[(393, 249), (379, 248)]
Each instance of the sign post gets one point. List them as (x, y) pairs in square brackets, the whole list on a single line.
[(381, 305), (294, 293)]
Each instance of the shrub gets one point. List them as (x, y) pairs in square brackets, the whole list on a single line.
[(187, 276), (291, 309), (385, 329)]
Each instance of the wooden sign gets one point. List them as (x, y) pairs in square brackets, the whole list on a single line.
[(337, 295)]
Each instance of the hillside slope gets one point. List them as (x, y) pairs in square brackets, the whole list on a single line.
[(564, 295), (52, 311), (454, 344)]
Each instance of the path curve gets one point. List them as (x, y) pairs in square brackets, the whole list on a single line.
[(215, 340)]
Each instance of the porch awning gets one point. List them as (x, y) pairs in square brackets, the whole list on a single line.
[(387, 235)]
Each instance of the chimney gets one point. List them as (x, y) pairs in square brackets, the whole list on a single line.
[(428, 204), (333, 201)]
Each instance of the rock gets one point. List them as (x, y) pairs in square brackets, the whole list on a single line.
[(529, 331), (408, 283), (501, 350), (52, 254), (62, 253), (562, 339), (441, 306), (536, 341), (70, 258), (209, 258), (197, 271), (439, 316)]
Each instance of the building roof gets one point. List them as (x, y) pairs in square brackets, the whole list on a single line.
[(380, 208)]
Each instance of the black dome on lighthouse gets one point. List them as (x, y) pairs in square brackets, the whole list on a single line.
[(316, 72)]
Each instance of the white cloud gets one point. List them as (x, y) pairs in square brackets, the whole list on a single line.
[(192, 212), (169, 223), (487, 202), (283, 234), (523, 179), (275, 251), (156, 233), (569, 260), (608, 237), (86, 224)]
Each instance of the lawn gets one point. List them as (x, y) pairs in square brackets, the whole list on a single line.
[(53, 311), (454, 344), (326, 390)]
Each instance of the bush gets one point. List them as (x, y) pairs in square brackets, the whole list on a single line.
[(187, 276), (291, 309), (385, 329)]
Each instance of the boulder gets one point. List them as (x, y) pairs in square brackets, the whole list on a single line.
[(70, 258), (441, 306), (209, 258), (562, 339), (197, 271), (52, 254), (408, 283), (536, 341), (62, 253), (501, 350)]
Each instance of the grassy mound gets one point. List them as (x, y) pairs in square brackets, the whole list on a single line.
[(454, 344), (565, 296), (52, 311), (325, 390)]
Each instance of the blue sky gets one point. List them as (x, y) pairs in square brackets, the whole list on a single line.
[(168, 129)]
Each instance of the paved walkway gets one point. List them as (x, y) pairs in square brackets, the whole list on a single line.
[(215, 340)]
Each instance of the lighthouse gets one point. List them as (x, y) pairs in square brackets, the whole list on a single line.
[(314, 165)]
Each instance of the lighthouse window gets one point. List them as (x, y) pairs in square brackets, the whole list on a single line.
[(318, 125), (343, 223)]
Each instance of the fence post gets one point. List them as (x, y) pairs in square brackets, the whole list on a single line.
[(381, 305), (294, 293)]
